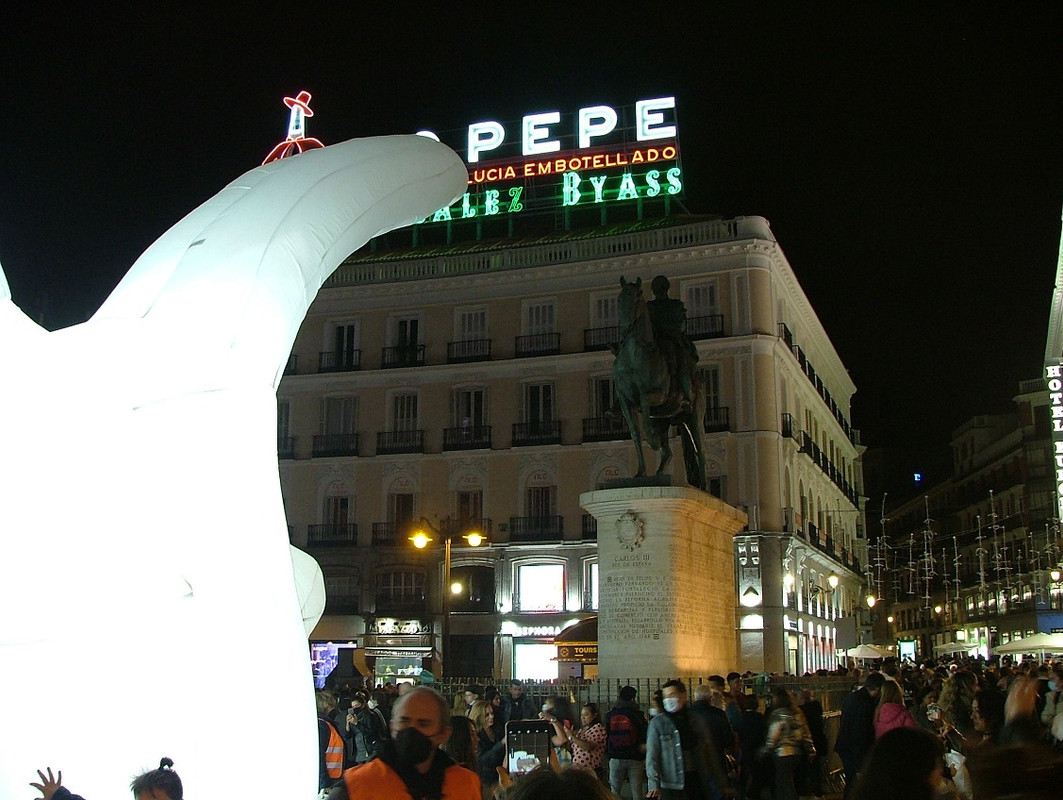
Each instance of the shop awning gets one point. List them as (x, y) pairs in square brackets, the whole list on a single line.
[(583, 632), (579, 642)]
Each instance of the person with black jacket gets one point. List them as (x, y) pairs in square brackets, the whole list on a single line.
[(856, 731), (625, 749)]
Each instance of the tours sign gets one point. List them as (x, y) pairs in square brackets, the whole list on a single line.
[(551, 161)]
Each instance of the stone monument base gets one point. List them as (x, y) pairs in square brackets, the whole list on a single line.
[(666, 581)]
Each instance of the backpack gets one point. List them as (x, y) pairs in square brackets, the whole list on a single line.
[(622, 732)]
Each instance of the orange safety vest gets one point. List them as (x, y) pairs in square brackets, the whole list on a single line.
[(375, 780), (333, 752)]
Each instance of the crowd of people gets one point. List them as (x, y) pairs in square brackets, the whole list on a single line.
[(970, 731)]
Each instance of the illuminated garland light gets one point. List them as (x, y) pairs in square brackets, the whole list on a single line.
[(297, 140)]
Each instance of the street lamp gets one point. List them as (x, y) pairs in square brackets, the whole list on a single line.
[(420, 538)]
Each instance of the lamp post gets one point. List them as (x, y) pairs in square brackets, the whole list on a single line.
[(420, 538)]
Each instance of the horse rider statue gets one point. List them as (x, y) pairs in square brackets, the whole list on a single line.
[(669, 319)]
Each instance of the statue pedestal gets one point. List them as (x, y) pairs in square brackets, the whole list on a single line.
[(666, 603)]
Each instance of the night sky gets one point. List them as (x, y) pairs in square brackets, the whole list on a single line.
[(910, 161)]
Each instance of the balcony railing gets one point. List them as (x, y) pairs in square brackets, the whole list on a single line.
[(459, 527), (344, 361), (707, 327), (605, 429), (789, 430), (392, 442), (470, 350), (332, 534), (600, 338), (407, 355), (537, 344), (536, 529), (387, 532), (467, 437), (370, 268), (528, 433), (285, 447), (588, 528), (717, 418), (335, 444)]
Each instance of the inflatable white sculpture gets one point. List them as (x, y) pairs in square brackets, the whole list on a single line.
[(148, 606)]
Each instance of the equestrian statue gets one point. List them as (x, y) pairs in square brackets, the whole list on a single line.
[(654, 377)]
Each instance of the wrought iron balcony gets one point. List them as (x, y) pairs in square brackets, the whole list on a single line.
[(717, 418), (387, 532), (536, 529), (789, 430), (467, 437), (538, 344), (609, 428), (335, 444), (393, 442), (469, 350), (407, 355), (707, 327), (600, 338), (588, 528), (332, 534), (455, 528), (343, 361), (285, 447), (528, 433)]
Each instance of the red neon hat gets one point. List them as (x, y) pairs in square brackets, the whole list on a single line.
[(302, 100)]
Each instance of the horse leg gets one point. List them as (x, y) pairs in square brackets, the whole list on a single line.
[(665, 449), (627, 409)]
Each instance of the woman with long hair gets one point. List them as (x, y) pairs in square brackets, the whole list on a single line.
[(891, 712), (491, 748), (464, 742)]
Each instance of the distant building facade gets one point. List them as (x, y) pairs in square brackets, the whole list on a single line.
[(968, 565), (472, 385)]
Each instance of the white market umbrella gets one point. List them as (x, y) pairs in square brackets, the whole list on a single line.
[(868, 651), (1038, 643), (953, 647)]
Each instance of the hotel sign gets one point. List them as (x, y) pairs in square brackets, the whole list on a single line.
[(550, 162), (1054, 378)]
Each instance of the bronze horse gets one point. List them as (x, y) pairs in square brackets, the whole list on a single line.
[(646, 388)]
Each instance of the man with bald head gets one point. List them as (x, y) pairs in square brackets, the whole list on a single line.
[(410, 764)]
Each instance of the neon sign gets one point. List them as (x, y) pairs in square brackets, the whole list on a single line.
[(597, 155), (297, 141), (1054, 377)]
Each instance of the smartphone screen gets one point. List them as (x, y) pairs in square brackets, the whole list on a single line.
[(527, 745)]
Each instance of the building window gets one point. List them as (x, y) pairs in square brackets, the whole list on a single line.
[(338, 511), (540, 501), (338, 415), (537, 409), (470, 505), (477, 589), (539, 317), (400, 510), (601, 396), (471, 325), (400, 586), (590, 589), (541, 587), (469, 408), (341, 351), (404, 412)]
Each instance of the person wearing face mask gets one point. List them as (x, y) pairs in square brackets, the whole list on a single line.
[(411, 765), (681, 759)]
